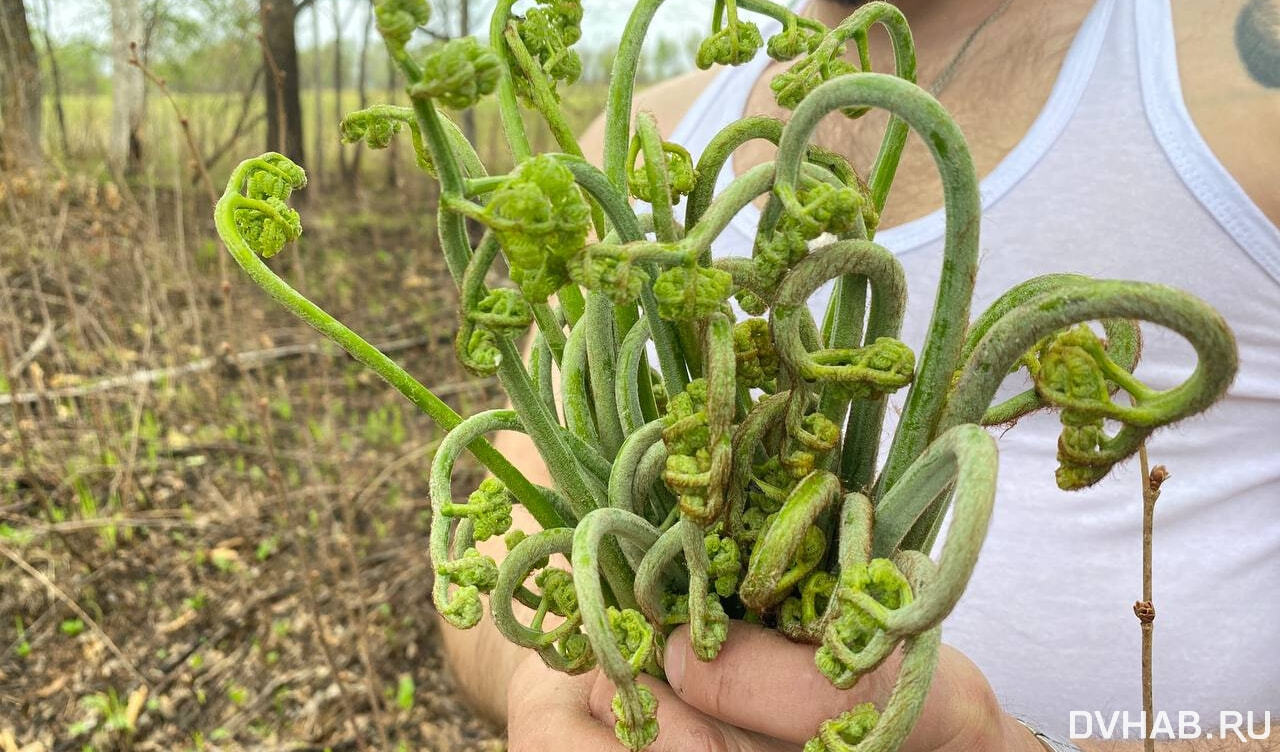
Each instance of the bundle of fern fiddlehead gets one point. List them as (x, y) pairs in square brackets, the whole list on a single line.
[(706, 466)]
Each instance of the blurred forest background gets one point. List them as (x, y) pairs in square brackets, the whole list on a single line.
[(212, 524)]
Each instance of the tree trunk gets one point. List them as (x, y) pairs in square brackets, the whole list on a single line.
[(280, 53), (393, 151), (344, 168), (57, 84), (362, 83), (128, 89), (20, 89), (316, 168), (469, 114)]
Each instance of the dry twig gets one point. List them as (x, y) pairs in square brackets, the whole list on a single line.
[(242, 361), (1145, 610), (161, 84), (70, 602), (37, 346), (309, 582)]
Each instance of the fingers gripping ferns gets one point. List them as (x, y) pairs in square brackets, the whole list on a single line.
[(712, 462)]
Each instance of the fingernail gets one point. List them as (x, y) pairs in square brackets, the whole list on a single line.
[(674, 657)]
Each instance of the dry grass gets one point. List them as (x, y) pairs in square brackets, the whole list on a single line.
[(213, 117), (213, 527), (230, 558)]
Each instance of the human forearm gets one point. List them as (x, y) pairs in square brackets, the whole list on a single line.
[(481, 659), (482, 662)]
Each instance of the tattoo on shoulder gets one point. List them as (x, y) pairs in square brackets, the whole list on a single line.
[(1258, 41)]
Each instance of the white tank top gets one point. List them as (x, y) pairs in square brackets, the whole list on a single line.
[(1113, 180)]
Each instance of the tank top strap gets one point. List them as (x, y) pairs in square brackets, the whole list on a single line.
[(1191, 157), (725, 100)]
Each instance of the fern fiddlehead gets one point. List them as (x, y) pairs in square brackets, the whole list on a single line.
[(739, 477)]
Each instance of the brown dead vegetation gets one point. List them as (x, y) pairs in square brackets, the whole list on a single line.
[(228, 556)]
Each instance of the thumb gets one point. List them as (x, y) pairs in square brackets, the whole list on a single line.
[(680, 727), (764, 682)]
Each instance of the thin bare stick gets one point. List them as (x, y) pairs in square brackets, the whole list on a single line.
[(180, 240), (160, 83), (97, 523), (358, 613), (37, 346), (243, 126), (407, 458), (201, 169), (1145, 610), (243, 121), (80, 331), (42, 304), (277, 80), (309, 572), (124, 480), (243, 361), (29, 468), (56, 75), (70, 602)]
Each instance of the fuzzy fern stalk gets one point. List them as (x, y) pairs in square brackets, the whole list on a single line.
[(709, 466)]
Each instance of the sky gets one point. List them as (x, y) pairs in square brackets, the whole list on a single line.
[(602, 22)]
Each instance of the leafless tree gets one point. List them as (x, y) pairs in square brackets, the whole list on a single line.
[(20, 88), (362, 82), (280, 54), (340, 22), (56, 78), (128, 89), (464, 25), (316, 168)]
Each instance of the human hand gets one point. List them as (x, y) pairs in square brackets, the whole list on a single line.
[(762, 693), (548, 710)]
